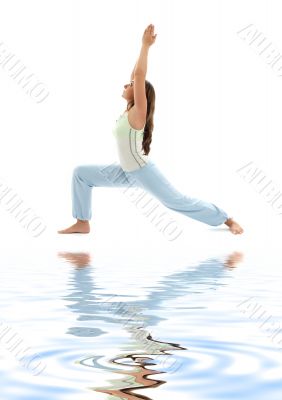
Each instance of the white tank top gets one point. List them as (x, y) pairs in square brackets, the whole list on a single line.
[(129, 144)]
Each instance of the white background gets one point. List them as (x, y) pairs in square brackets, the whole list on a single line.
[(218, 104), (218, 107)]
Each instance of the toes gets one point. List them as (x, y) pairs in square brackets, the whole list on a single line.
[(62, 231)]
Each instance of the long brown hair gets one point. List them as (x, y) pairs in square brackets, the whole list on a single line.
[(149, 127)]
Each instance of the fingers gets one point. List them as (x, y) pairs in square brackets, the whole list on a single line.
[(150, 27), (150, 31)]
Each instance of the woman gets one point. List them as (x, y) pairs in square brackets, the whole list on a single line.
[(133, 133)]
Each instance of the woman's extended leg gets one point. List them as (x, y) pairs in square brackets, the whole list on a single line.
[(84, 178), (151, 178)]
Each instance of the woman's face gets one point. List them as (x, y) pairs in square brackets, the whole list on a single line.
[(128, 92)]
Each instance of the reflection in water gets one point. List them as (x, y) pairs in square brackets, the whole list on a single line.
[(77, 259), (131, 315), (233, 259)]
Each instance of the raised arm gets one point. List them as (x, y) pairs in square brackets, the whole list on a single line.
[(132, 73), (139, 76), (147, 40)]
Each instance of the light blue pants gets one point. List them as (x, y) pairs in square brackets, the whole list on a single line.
[(149, 178)]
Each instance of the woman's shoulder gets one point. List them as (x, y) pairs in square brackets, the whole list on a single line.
[(134, 119)]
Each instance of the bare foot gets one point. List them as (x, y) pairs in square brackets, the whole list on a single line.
[(79, 227), (234, 226), (77, 259), (233, 259)]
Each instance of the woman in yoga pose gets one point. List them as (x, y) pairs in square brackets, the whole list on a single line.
[(133, 134)]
